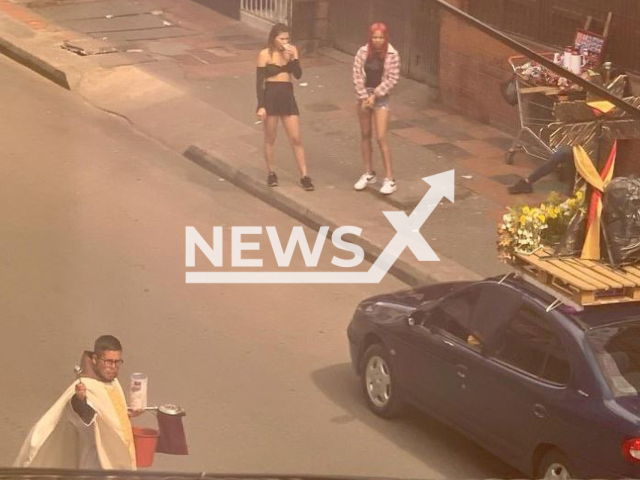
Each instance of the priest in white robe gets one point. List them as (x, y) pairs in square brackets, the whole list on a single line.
[(88, 427)]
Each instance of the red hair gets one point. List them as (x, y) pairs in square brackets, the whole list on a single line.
[(378, 26)]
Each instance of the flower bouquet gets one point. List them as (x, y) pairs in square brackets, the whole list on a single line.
[(525, 229)]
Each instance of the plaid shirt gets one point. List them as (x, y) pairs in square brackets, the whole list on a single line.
[(390, 73)]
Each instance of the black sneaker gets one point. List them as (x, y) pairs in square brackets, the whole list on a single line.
[(521, 186), (272, 179), (305, 182)]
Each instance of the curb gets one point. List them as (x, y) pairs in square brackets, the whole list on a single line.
[(313, 219), (38, 65)]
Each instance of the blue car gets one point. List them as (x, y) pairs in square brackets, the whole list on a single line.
[(550, 389)]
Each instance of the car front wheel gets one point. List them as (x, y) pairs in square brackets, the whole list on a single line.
[(555, 466), (379, 382)]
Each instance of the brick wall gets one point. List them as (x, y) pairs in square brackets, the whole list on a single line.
[(472, 66)]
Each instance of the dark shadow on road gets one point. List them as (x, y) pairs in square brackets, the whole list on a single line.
[(432, 442)]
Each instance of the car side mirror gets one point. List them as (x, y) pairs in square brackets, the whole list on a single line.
[(418, 318)]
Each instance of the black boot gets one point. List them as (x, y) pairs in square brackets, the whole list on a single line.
[(521, 186)]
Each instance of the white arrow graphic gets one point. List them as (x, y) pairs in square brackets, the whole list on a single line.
[(407, 235)]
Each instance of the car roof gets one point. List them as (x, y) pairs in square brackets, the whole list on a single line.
[(592, 316)]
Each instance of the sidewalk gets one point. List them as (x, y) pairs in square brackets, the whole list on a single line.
[(184, 75)]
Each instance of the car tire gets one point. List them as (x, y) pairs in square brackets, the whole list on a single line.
[(379, 382), (555, 465)]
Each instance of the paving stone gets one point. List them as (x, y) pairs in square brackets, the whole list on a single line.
[(500, 142), (321, 107), (148, 34), (447, 132), (397, 124), (419, 136), (447, 150), (77, 11)]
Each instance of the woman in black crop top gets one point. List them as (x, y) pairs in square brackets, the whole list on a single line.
[(276, 64)]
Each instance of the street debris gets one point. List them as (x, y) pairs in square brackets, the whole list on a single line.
[(87, 47), (303, 84), (156, 12), (468, 177), (108, 16), (135, 50), (221, 179), (166, 23)]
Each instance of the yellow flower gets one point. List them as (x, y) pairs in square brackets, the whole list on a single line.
[(523, 219), (579, 195), (525, 210), (541, 217)]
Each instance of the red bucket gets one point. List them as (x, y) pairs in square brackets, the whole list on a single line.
[(145, 440)]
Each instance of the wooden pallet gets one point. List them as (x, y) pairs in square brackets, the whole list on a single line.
[(585, 282)]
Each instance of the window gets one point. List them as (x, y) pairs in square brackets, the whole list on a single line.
[(529, 344), (454, 314), (617, 349)]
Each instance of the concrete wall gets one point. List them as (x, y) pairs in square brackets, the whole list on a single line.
[(310, 24), (230, 8)]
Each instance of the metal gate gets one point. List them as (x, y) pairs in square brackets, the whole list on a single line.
[(272, 11)]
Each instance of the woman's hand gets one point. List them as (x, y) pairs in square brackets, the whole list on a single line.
[(261, 114), (289, 52), (369, 102)]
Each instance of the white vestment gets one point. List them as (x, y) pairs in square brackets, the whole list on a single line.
[(61, 439)]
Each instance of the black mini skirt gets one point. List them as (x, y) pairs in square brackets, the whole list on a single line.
[(279, 99)]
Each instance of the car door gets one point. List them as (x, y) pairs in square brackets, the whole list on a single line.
[(525, 367), (433, 356)]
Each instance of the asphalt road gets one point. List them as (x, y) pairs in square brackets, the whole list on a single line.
[(92, 241)]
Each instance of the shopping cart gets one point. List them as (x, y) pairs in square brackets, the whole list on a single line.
[(535, 109)]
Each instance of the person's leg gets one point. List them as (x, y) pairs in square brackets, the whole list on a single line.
[(382, 125), (292, 127), (366, 128), (270, 132), (365, 118), (562, 155)]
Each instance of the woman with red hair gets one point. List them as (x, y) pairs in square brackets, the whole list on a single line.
[(376, 69)]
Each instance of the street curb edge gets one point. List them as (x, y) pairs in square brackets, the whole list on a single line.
[(37, 64), (210, 162)]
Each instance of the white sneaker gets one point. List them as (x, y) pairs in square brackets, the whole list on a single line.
[(366, 179), (388, 186)]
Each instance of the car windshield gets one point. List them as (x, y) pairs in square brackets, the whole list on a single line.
[(617, 349)]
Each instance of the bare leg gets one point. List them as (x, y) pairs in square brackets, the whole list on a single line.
[(382, 123), (270, 131), (364, 117), (292, 127)]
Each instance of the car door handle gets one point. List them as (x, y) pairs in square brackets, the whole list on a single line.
[(539, 411), (461, 371)]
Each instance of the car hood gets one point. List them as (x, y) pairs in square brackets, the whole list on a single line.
[(415, 297)]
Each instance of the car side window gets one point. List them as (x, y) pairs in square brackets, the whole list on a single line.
[(529, 344), (556, 368), (452, 314)]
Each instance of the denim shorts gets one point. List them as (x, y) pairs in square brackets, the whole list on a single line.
[(380, 102)]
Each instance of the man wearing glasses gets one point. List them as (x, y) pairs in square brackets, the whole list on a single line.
[(88, 427)]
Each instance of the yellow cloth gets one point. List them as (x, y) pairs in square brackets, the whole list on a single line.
[(117, 398), (585, 167), (602, 105), (53, 442)]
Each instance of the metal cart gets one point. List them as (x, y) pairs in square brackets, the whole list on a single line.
[(535, 109)]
